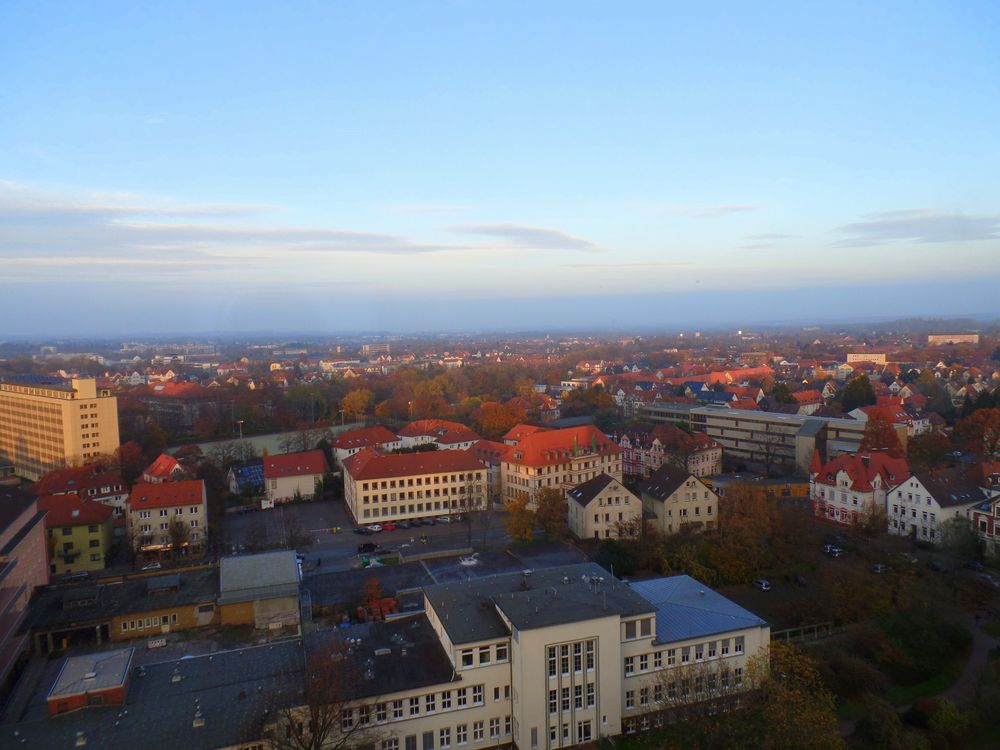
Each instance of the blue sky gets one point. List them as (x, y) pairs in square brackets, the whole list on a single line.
[(418, 165)]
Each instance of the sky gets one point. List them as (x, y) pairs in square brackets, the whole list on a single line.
[(181, 167)]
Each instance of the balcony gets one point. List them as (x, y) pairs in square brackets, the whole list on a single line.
[(69, 555)]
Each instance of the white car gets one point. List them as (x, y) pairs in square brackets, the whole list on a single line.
[(442, 519), (151, 566), (375, 528)]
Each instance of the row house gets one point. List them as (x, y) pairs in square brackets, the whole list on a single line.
[(854, 486), (557, 459), (645, 452), (395, 487), (88, 483), (350, 442)]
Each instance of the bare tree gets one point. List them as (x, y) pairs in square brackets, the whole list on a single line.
[(319, 710), (473, 506), (180, 534)]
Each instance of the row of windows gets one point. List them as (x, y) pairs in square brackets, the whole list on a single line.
[(419, 481), (401, 709), (560, 700), (386, 497), (684, 655), (444, 735), (583, 655), (684, 688), (487, 655), (148, 622)]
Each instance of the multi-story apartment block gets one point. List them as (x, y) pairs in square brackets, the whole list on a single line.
[(772, 438), (394, 487), (603, 508), (162, 516), (490, 454), (679, 501), (937, 339), (80, 533), (558, 459), (643, 453), (853, 487), (918, 506), (49, 423), (88, 483)]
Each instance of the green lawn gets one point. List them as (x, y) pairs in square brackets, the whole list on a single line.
[(902, 695)]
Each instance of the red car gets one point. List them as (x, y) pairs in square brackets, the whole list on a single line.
[(388, 527)]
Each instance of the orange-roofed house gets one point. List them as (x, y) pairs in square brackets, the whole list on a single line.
[(518, 431), (89, 483), (382, 487), (165, 468), (290, 474), (854, 486), (80, 533), (808, 401), (168, 519), (440, 431), (350, 442), (559, 459)]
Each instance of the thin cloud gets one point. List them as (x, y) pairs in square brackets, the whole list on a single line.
[(637, 264), (540, 238), (711, 212), (918, 226), (431, 209), (771, 236)]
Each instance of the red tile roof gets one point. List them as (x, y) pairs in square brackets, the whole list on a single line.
[(489, 450), (162, 468), (370, 464), (76, 480), (71, 510), (168, 494), (176, 390), (295, 464), (441, 430), (863, 468), (554, 446), (518, 431), (366, 436), (811, 396)]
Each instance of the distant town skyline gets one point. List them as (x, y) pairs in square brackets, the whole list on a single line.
[(456, 166)]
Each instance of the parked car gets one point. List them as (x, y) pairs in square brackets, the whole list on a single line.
[(363, 530), (878, 568), (151, 566), (375, 528), (388, 526), (763, 584), (403, 525), (833, 550), (442, 519), (366, 548)]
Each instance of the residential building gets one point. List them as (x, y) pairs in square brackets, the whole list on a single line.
[(557, 459), (293, 474), (23, 568), (176, 407), (985, 519), (518, 431), (443, 433), (165, 468), (645, 452), (675, 500), (260, 590), (873, 357), (937, 339), (168, 519), (927, 499), (246, 479), (546, 659), (391, 487), (49, 423), (603, 508), (853, 487), (80, 533), (350, 442), (88, 483), (490, 454)]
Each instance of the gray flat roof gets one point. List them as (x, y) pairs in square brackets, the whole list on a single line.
[(688, 609), (554, 596), (90, 672), (269, 575)]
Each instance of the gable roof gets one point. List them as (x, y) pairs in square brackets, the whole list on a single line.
[(370, 464), (952, 487), (72, 510), (488, 450), (441, 430), (553, 446), (168, 494), (163, 467), (584, 493), (75, 480), (304, 463), (363, 437), (518, 431), (863, 468), (665, 481)]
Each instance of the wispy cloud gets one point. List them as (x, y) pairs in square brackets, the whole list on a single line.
[(710, 212), (637, 264), (517, 235), (771, 236), (918, 226)]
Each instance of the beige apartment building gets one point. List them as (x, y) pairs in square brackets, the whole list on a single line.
[(936, 339), (48, 423), (603, 508), (559, 459), (679, 501), (394, 487), (168, 515)]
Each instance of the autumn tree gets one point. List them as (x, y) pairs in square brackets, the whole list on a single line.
[(520, 520), (928, 451), (880, 435), (747, 523), (551, 510), (357, 403), (180, 534), (782, 394), (980, 433), (493, 419), (130, 462)]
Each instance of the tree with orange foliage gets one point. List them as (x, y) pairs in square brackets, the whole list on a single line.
[(493, 419), (880, 435), (520, 520), (748, 522), (980, 432)]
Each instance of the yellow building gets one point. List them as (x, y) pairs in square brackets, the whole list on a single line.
[(80, 533), (48, 423)]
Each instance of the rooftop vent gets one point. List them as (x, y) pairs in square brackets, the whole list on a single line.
[(90, 676), (81, 739)]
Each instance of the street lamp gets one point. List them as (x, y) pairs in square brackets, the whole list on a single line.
[(239, 423)]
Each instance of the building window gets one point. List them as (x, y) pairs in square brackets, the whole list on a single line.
[(380, 713), (629, 699), (629, 665), (461, 734), (671, 657), (462, 699), (477, 731), (477, 695), (444, 737), (430, 703), (644, 663), (397, 709), (590, 695), (501, 652), (414, 706), (495, 727), (553, 699), (578, 696), (467, 657), (390, 744), (346, 719), (446, 700), (484, 654)]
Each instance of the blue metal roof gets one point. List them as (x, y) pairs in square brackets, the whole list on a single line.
[(687, 609), (249, 474)]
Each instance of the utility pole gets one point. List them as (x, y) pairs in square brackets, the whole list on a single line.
[(239, 423)]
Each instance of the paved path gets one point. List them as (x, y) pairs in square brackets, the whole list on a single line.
[(965, 686)]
